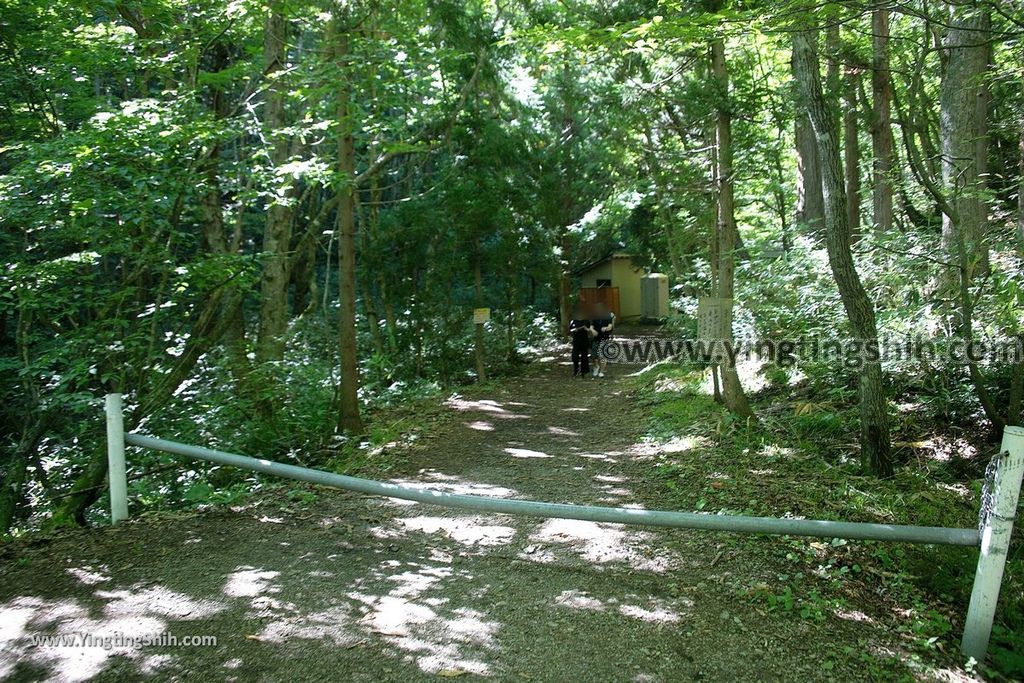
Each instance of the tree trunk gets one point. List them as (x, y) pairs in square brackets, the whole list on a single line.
[(302, 275), (982, 104), (1016, 396), (715, 261), (810, 203), (663, 197), (567, 138), (851, 151), (213, 321), (1020, 191), (726, 232), (349, 419), (371, 229), (966, 329), (390, 322), (833, 79), (372, 318), (565, 290), (514, 314), (478, 333), (15, 472), (277, 233), (874, 422), (215, 242), (12, 488), (779, 190), (961, 129), (238, 349), (215, 239), (881, 121)]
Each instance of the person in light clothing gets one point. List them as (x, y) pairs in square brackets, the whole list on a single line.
[(604, 323)]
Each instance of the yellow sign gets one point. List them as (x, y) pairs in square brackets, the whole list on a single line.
[(481, 315)]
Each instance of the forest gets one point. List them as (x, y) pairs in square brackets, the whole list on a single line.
[(268, 223)]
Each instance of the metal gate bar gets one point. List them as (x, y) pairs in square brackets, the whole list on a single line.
[(682, 520), (998, 512)]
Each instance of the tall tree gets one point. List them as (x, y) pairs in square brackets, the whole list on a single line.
[(963, 131), (273, 320), (567, 139), (349, 418), (851, 148), (810, 204), (726, 232), (1020, 186), (478, 300), (875, 445), (881, 120)]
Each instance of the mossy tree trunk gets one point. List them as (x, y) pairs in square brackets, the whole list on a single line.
[(875, 446), (349, 418), (725, 227)]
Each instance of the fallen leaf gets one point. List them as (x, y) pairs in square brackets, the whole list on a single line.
[(450, 673)]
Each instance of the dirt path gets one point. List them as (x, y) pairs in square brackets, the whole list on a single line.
[(354, 588)]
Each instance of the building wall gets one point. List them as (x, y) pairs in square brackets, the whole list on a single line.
[(654, 295), (624, 276), (627, 279), (602, 271)]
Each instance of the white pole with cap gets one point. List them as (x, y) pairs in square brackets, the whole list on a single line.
[(996, 530), (115, 459)]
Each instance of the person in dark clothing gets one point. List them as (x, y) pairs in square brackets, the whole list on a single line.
[(581, 332)]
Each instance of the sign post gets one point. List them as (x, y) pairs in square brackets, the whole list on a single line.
[(711, 321)]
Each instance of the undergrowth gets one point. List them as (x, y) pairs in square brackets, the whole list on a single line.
[(799, 460)]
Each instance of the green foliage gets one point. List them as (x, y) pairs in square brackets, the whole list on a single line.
[(795, 463), (512, 143)]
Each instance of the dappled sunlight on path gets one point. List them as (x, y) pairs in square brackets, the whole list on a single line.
[(371, 589)]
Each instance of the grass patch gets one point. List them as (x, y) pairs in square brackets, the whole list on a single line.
[(800, 460)]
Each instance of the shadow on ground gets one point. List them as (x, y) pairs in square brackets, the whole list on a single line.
[(361, 589)]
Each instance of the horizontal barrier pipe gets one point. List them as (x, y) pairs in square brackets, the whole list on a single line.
[(684, 520)]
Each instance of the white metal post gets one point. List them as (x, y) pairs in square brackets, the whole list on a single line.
[(115, 459), (995, 541)]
